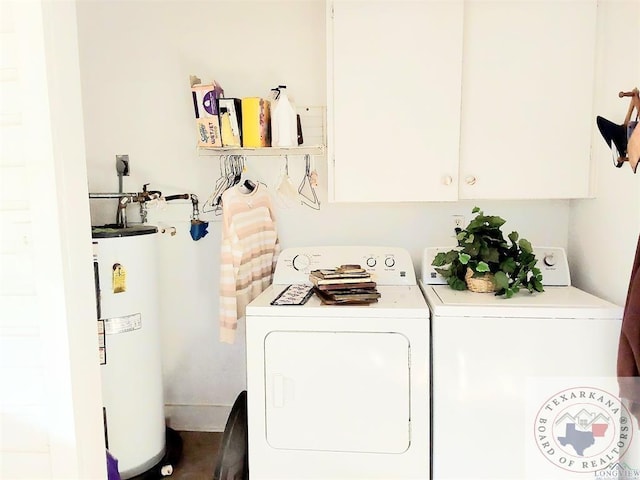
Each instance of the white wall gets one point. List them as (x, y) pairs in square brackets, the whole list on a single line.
[(50, 401), (604, 230), (136, 58)]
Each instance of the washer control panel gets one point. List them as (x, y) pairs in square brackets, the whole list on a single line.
[(552, 262), (386, 265)]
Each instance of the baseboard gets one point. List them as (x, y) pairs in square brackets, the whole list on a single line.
[(197, 418)]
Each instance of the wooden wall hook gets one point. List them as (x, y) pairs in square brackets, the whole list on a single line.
[(634, 103)]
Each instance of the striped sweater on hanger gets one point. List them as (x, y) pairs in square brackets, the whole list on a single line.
[(250, 248)]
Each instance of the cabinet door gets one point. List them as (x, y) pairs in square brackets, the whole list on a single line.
[(527, 99), (394, 73)]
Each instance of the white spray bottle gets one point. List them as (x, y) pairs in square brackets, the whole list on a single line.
[(284, 127)]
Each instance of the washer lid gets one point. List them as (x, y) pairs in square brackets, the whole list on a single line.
[(554, 302), (396, 301)]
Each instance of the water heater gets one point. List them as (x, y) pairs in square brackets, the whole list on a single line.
[(126, 286)]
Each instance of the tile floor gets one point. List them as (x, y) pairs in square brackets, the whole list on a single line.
[(198, 461), (199, 451)]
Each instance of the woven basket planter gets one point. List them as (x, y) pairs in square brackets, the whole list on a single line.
[(483, 284)]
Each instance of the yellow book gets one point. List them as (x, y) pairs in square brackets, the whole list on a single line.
[(256, 120), (230, 121)]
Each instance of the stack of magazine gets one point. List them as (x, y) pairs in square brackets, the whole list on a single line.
[(345, 285)]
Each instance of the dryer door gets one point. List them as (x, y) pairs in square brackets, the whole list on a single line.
[(337, 391)]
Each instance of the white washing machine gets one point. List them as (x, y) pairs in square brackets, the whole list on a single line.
[(339, 392), (507, 375)]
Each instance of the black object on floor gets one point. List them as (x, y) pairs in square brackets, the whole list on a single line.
[(172, 456), (232, 461)]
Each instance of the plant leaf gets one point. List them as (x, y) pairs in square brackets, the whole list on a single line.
[(490, 254), (508, 265), (445, 272), (525, 245), (439, 260), (456, 283), (494, 221), (482, 267), (537, 285), (502, 281)]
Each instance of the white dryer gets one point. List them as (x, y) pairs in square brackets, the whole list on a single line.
[(339, 392), (499, 364)]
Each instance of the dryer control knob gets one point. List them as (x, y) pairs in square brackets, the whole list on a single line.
[(301, 262), (371, 262), (389, 261), (549, 260)]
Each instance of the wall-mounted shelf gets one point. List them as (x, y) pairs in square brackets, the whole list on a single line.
[(263, 151), (312, 119)]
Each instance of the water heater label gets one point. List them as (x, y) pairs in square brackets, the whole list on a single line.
[(119, 278), (102, 346), (127, 323)]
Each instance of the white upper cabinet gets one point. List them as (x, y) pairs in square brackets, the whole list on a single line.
[(527, 99), (447, 100), (394, 80)]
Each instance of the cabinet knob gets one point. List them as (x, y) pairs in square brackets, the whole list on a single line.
[(447, 180), (471, 180)]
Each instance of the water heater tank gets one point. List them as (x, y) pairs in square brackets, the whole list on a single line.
[(126, 285)]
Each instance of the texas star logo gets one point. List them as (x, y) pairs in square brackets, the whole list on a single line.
[(583, 429)]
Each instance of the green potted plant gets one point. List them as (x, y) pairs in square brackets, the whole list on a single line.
[(485, 261)]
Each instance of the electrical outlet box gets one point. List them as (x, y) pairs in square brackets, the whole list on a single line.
[(457, 222), (122, 165)]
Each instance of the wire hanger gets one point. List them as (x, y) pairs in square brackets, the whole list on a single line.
[(310, 200), (210, 203), (231, 169), (285, 189)]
